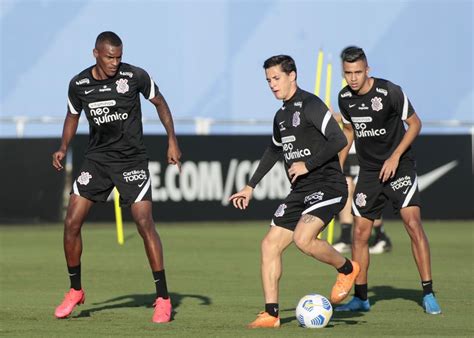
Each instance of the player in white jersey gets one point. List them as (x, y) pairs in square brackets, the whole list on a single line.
[(109, 94), (374, 112)]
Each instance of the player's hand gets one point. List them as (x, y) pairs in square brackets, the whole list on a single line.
[(241, 199), (174, 155), (389, 168), (297, 169), (57, 158)]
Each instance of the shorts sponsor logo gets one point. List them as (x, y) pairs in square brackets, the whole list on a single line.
[(377, 103), (122, 86), (296, 119), (346, 94), (84, 178), (129, 74), (361, 199), (401, 183), (314, 197), (83, 81), (281, 210), (298, 104), (381, 91), (135, 175), (362, 131)]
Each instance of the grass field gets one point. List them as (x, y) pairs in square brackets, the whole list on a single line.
[(213, 276)]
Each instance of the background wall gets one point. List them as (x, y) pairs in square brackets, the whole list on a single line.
[(207, 56)]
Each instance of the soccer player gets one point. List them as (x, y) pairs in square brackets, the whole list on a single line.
[(374, 112), (109, 94), (382, 242), (308, 139)]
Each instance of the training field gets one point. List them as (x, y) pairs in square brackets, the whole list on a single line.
[(213, 276)]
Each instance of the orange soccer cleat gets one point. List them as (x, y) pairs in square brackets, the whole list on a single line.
[(344, 284), (71, 299), (163, 310), (264, 320)]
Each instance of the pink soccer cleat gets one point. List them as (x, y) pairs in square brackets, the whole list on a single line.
[(71, 299), (163, 310)]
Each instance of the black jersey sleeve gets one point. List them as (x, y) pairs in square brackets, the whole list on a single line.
[(320, 116), (344, 115), (146, 85), (399, 101), (271, 155), (74, 103)]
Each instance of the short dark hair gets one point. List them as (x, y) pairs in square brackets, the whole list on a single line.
[(108, 37), (286, 62), (353, 54)]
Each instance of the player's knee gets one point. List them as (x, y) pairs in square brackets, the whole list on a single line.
[(269, 247), (303, 243), (361, 234), (71, 226), (145, 224)]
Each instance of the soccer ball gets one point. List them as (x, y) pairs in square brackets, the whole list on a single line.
[(314, 311)]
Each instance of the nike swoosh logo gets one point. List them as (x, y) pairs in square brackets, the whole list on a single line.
[(406, 190), (72, 274), (89, 91), (140, 185), (352, 105), (425, 180)]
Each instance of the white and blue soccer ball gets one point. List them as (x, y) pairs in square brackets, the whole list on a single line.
[(313, 311)]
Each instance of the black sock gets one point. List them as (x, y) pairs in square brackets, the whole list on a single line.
[(272, 309), (346, 268), (427, 287), (75, 276), (360, 291), (379, 232), (160, 284), (346, 232)]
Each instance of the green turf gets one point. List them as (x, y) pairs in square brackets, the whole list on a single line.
[(213, 276)]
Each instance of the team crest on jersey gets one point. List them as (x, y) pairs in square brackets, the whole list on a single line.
[(84, 178), (122, 86), (360, 199), (281, 210), (296, 119), (377, 103)]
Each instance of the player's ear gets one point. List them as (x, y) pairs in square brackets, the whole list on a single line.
[(292, 76), (367, 70), (95, 52)]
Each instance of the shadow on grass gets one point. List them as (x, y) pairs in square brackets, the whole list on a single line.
[(337, 317), (389, 292), (140, 300), (349, 318)]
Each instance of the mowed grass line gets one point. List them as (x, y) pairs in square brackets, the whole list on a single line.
[(213, 275)]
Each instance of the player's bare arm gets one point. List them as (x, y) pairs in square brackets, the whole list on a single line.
[(174, 153), (297, 169), (242, 198), (69, 130), (349, 133), (391, 164)]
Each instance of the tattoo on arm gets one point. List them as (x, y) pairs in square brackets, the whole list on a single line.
[(307, 218)]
